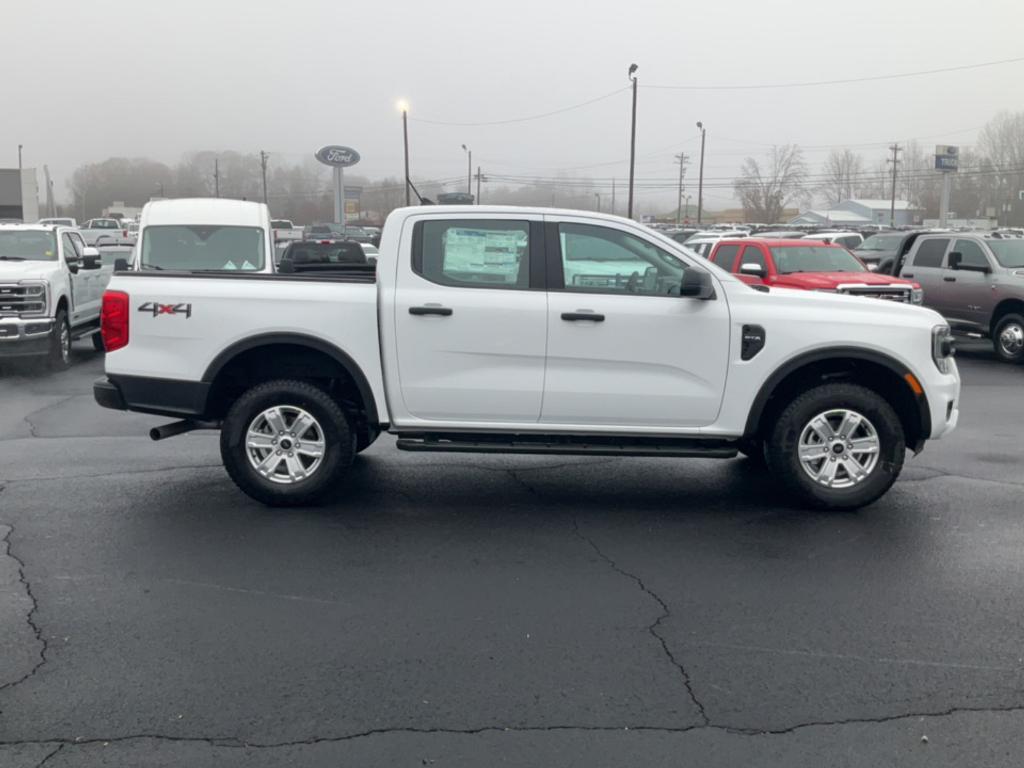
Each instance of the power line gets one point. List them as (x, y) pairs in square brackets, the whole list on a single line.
[(523, 119), (843, 81)]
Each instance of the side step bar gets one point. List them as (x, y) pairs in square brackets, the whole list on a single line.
[(580, 445)]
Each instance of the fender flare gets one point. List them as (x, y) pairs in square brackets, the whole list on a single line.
[(837, 353), (301, 340)]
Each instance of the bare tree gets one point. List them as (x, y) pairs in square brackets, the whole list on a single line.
[(840, 172), (1002, 143), (765, 193)]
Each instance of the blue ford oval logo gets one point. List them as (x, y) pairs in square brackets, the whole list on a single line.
[(337, 156)]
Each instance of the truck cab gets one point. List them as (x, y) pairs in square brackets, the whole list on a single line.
[(51, 291)]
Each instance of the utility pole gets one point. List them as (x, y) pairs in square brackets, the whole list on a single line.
[(700, 184), (632, 142), (479, 178), (216, 177), (613, 196), (19, 157), (404, 107), (469, 170), (263, 166), (681, 158), (895, 149), (49, 191), (598, 196)]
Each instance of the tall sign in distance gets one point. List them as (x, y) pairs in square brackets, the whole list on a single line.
[(947, 160), (339, 158)]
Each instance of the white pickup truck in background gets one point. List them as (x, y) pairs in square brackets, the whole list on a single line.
[(110, 230), (517, 330), (51, 289)]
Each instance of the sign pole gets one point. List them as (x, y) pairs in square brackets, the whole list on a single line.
[(341, 197), (947, 183), (337, 195)]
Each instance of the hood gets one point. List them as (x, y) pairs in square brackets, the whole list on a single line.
[(829, 280), (12, 271)]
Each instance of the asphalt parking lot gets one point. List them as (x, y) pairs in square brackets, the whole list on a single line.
[(459, 610)]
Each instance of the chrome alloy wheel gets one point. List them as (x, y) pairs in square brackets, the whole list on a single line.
[(1011, 339), (285, 444), (839, 448), (65, 342)]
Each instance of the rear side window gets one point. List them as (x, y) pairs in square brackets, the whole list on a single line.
[(930, 252), (725, 255), (971, 253), (473, 253)]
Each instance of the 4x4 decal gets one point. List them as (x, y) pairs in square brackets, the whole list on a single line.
[(155, 309)]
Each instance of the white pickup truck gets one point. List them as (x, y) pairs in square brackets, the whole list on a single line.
[(522, 330), (51, 289)]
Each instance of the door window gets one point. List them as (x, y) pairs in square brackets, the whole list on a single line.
[(752, 255), (971, 253), (70, 251), (473, 253), (930, 252), (602, 260), (725, 255)]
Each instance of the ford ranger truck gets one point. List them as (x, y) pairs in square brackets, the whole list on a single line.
[(496, 329)]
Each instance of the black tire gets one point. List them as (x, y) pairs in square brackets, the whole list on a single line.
[(59, 356), (97, 342), (366, 437), (337, 434), (781, 448), (1007, 338)]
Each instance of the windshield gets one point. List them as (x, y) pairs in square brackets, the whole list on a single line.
[(880, 243), (1009, 253), (28, 246), (814, 258), (203, 247)]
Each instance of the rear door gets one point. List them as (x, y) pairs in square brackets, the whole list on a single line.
[(471, 320), (924, 266), (623, 349)]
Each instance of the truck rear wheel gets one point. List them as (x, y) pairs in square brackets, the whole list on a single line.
[(97, 342), (1008, 338), (837, 446), (286, 443)]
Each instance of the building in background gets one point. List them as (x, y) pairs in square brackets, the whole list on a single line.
[(860, 213), (19, 194)]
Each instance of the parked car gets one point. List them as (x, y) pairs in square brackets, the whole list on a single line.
[(811, 266), (60, 221), (93, 229), (323, 232), (704, 242), (975, 281), (311, 255), (848, 240), (51, 288), (285, 231), (529, 330), (204, 235), (886, 251)]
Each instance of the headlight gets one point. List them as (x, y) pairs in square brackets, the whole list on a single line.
[(36, 299), (943, 348), (917, 296)]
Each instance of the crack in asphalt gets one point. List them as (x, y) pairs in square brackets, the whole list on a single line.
[(234, 742), (652, 628), (46, 759), (28, 420), (30, 616)]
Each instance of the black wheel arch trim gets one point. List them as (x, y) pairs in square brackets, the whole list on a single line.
[(345, 360), (837, 353)]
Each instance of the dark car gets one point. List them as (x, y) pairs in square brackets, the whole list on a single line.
[(317, 255)]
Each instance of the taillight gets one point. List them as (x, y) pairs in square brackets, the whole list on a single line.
[(114, 320)]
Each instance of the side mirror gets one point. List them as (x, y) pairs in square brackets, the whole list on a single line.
[(752, 268), (696, 284), (91, 258), (955, 259), (74, 262)]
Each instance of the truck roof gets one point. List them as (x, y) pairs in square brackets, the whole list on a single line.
[(205, 210)]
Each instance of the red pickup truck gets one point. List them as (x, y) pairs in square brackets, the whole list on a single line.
[(809, 265)]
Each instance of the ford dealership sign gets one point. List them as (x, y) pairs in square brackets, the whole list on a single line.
[(337, 156)]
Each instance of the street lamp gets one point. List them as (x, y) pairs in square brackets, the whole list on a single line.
[(469, 170), (700, 184), (403, 107), (632, 140)]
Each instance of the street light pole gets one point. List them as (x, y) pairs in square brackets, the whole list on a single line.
[(404, 107), (469, 170), (598, 196), (700, 184), (632, 142), (681, 158), (19, 155)]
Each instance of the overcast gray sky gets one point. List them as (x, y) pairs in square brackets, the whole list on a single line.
[(88, 79)]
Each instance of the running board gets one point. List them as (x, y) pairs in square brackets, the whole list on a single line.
[(579, 445)]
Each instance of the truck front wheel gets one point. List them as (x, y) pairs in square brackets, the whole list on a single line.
[(59, 356), (837, 446), (286, 443)]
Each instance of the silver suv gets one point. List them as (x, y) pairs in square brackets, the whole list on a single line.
[(976, 281)]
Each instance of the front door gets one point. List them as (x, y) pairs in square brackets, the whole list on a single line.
[(471, 321), (624, 349), (968, 294)]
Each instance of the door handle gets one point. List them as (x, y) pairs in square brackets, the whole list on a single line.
[(591, 316), (949, 279), (907, 274), (442, 311)]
